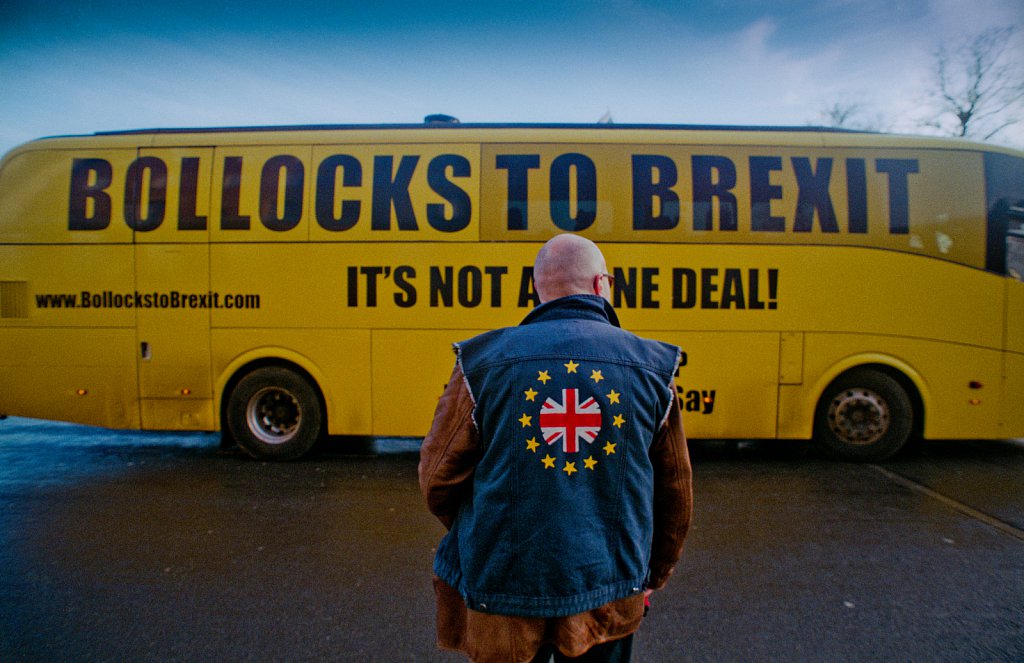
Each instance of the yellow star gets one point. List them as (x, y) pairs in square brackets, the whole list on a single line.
[(525, 420), (530, 394), (543, 376), (596, 376), (569, 468), (590, 462), (609, 448), (549, 461), (571, 366), (532, 444), (613, 396), (618, 421)]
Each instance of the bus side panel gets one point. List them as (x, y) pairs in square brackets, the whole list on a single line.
[(410, 372), (174, 342), (944, 373), (1015, 316), (67, 346), (727, 384), (65, 196), (84, 376), (337, 359), (1013, 407), (1013, 403)]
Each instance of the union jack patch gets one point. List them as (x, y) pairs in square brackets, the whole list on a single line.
[(576, 411), (570, 420)]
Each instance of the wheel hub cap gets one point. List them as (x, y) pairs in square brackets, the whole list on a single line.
[(273, 415), (858, 416)]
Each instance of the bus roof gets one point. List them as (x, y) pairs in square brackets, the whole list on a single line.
[(483, 125), (455, 132)]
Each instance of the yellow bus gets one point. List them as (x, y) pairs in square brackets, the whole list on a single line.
[(284, 283)]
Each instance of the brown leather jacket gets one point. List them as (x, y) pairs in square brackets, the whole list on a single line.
[(447, 459)]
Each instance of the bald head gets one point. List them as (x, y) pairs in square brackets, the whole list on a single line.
[(568, 265)]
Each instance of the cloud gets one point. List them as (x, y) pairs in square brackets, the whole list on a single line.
[(86, 67)]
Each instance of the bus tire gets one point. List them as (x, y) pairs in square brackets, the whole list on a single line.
[(864, 415), (274, 413)]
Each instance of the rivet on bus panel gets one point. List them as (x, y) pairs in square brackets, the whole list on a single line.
[(975, 401), (81, 392), (975, 384), (186, 391)]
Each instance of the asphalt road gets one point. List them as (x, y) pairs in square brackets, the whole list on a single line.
[(161, 547)]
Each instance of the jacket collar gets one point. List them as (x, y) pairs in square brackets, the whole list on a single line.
[(580, 307)]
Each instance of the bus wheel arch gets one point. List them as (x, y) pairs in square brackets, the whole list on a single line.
[(868, 413), (273, 409)]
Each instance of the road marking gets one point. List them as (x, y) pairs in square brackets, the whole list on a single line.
[(1004, 527)]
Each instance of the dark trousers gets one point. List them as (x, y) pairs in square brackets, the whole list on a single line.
[(616, 651)]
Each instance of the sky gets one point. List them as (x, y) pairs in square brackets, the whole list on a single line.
[(99, 65)]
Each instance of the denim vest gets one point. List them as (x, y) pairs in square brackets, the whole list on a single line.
[(560, 517)]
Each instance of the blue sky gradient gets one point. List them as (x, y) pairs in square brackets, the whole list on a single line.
[(80, 67)]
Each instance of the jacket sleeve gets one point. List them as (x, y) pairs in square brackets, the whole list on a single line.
[(673, 496), (450, 451)]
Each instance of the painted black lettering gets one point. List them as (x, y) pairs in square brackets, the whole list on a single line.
[(230, 198), (857, 195), (518, 167), (708, 399), (437, 178), (470, 286), (270, 192), (188, 196), (371, 274), (700, 401), (496, 274), (899, 191), (708, 288), (442, 286), (648, 188), (732, 289), (762, 193), (714, 177), (88, 201), (528, 296), (391, 189), (648, 288), (753, 276), (813, 196), (624, 293), (684, 287), (585, 203), (136, 191), (353, 286), (403, 275), (326, 180)]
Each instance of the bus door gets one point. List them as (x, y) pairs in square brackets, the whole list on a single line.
[(172, 283)]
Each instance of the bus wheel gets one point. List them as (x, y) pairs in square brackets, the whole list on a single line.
[(274, 414), (865, 415)]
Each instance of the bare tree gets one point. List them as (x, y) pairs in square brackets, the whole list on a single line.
[(840, 115), (979, 86), (850, 115)]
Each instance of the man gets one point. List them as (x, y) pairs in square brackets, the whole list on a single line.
[(557, 461)]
